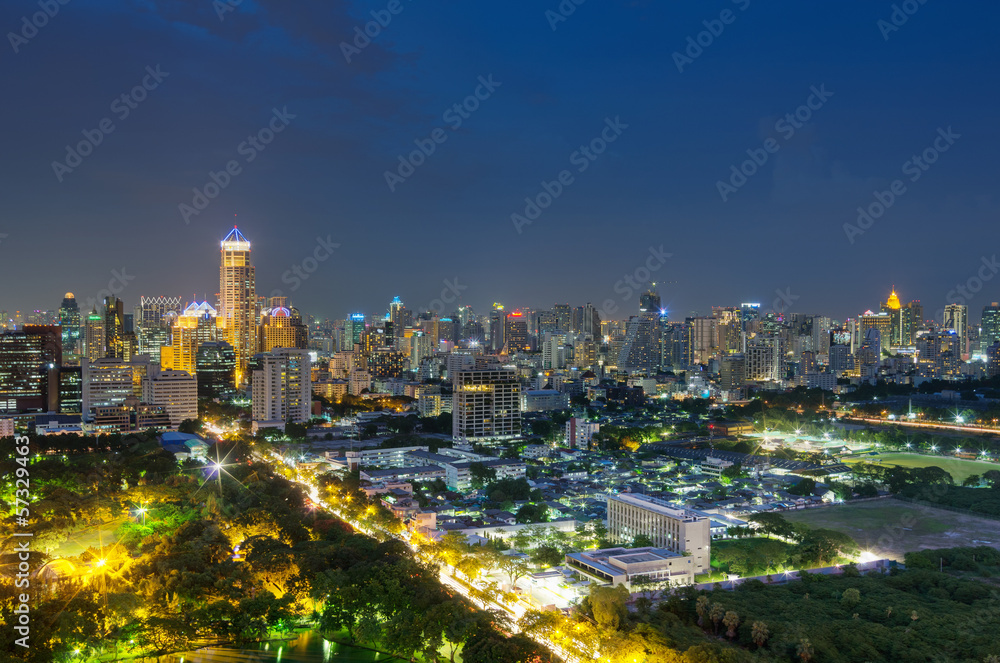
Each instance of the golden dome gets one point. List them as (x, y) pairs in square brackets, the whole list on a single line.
[(893, 302)]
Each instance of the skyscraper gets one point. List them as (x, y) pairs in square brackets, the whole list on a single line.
[(281, 388), (69, 320), (990, 326), (114, 328), (956, 316), (238, 300), (93, 333), (487, 405)]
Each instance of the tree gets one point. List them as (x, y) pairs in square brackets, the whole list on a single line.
[(609, 606), (825, 545), (481, 475), (804, 487), (513, 567), (772, 523), (804, 650), (759, 633), (190, 426), (850, 598), (731, 621), (532, 513), (701, 607), (716, 614), (641, 541)]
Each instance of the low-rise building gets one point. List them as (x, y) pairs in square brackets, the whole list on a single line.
[(624, 566)]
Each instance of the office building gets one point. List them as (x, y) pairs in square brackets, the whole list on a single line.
[(281, 388), (108, 382), (630, 567), (70, 323), (215, 366), (93, 332), (174, 391), (956, 317), (29, 369), (732, 372), (677, 530), (238, 300), (990, 327), (198, 324), (486, 405)]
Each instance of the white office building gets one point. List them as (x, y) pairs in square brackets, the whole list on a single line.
[(281, 388), (175, 391), (668, 527)]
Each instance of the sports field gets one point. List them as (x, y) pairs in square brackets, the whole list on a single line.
[(959, 469), (889, 528)]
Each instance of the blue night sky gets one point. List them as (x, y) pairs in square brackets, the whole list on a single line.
[(655, 185)]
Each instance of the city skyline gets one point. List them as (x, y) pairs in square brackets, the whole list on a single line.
[(310, 130)]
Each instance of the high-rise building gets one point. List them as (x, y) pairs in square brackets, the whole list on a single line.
[(281, 388), (993, 360), (114, 328), (649, 302), (354, 326), (956, 316), (641, 349), (29, 369), (764, 357), (69, 321), (732, 372), (564, 315), (154, 316), (276, 330), (498, 327), (215, 365), (93, 332), (70, 390), (238, 300), (199, 323), (487, 405), (516, 333), (175, 391), (990, 327), (108, 382)]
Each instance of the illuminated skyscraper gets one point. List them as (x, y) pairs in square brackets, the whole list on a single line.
[(238, 300), (196, 325), (990, 333), (956, 316), (114, 328), (93, 332), (69, 320)]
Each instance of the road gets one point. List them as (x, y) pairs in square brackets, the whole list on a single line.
[(516, 610)]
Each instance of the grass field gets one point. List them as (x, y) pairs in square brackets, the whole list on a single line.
[(958, 468), (89, 537), (889, 528)]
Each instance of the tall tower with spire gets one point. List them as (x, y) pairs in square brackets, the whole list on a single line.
[(238, 300)]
